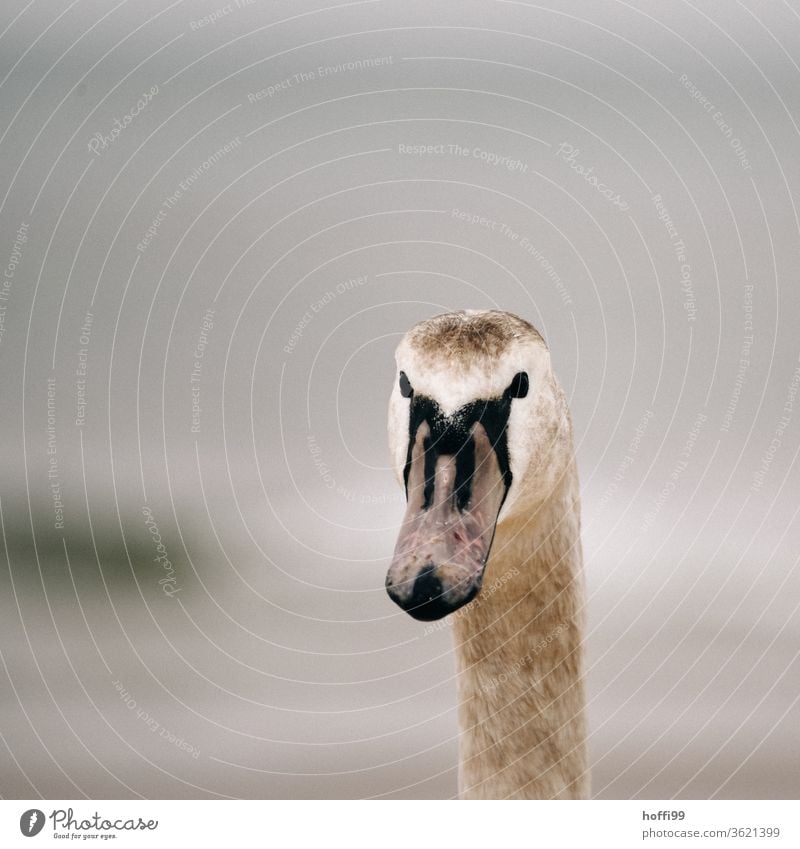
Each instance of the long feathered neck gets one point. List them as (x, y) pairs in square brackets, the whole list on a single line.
[(518, 646)]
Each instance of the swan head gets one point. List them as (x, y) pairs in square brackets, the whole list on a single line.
[(479, 433)]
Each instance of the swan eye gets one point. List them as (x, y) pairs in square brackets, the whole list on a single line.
[(518, 388), (405, 386)]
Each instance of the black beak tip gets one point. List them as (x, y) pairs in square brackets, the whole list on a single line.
[(427, 601)]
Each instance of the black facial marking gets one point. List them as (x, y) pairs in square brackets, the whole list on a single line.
[(465, 468), (405, 386), (518, 388), (430, 473), (451, 435)]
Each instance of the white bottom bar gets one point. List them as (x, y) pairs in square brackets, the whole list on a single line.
[(402, 825)]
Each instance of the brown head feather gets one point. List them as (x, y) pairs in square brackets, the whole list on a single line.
[(468, 336)]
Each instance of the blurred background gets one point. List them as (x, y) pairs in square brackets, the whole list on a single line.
[(217, 220)]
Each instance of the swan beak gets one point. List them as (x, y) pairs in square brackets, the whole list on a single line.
[(447, 531)]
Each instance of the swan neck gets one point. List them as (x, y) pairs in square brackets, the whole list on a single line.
[(519, 653)]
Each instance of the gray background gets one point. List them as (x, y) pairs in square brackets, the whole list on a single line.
[(280, 662)]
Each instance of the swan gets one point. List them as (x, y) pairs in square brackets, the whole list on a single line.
[(480, 436)]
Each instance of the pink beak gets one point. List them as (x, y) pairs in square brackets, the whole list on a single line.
[(448, 527)]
